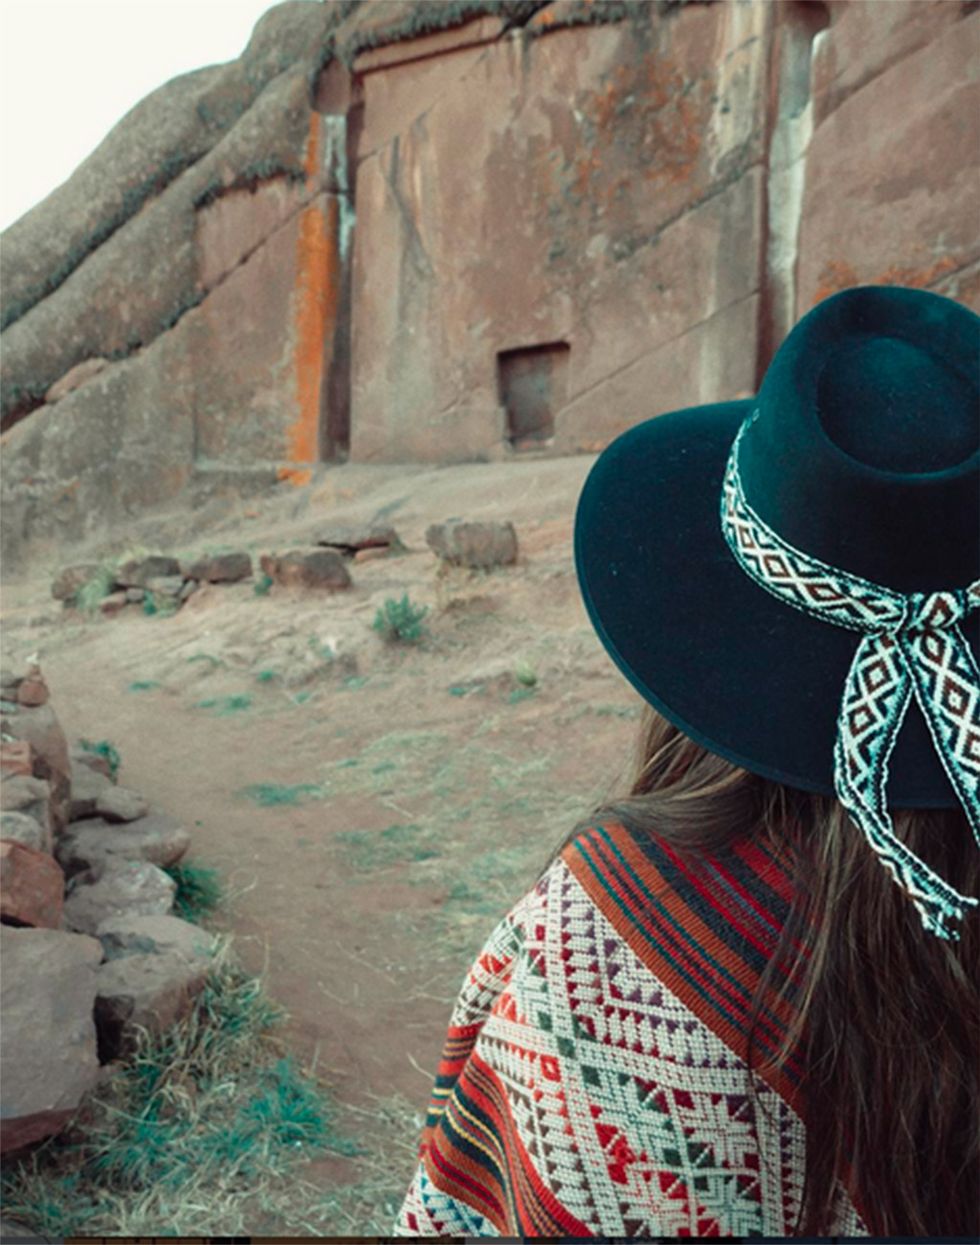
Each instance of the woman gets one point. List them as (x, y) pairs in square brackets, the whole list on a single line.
[(744, 998)]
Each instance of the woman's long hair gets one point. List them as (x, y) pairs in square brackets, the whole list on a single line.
[(886, 1013)]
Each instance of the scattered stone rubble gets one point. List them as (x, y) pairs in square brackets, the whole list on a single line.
[(89, 947), (455, 542)]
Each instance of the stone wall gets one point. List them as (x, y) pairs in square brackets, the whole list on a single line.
[(467, 230)]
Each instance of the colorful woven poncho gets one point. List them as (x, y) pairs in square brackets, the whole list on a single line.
[(594, 1077)]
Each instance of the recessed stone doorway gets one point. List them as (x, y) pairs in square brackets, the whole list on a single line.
[(532, 383)]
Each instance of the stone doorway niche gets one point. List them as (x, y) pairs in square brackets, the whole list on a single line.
[(532, 383)]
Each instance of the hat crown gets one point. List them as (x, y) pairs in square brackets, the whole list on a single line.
[(865, 452)]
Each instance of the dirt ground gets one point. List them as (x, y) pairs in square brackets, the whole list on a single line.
[(431, 785)]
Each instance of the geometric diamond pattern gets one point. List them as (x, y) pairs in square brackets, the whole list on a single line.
[(621, 1112)]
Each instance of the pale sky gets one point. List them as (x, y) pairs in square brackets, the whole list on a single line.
[(70, 69)]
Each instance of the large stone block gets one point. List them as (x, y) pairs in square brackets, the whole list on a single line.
[(892, 174), (865, 39), (47, 1040), (593, 187)]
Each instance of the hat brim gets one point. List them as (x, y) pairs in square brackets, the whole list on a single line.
[(747, 677)]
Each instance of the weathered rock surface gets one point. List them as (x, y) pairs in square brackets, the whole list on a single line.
[(38, 725), (473, 544), (120, 804), (89, 844), (317, 568), (87, 785), (23, 829), (76, 376), (137, 572), (162, 935), (152, 990), (16, 757), (218, 568), (48, 1039), (20, 794), (124, 887), (165, 585), (32, 886)]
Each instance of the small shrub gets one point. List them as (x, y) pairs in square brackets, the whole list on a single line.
[(96, 588), (262, 585), (165, 606), (103, 749), (400, 621), (525, 674), (198, 890)]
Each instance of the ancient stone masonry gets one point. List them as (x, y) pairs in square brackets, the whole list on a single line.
[(89, 947), (457, 230)]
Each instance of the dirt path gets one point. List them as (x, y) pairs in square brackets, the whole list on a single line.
[(439, 785)]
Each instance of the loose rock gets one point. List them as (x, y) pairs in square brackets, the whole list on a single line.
[(160, 935), (23, 829), (16, 757), (318, 568), (113, 603), (124, 887), (120, 804), (89, 844), (473, 544), (32, 886), (48, 1040), (220, 568), (153, 991), (165, 585), (137, 572), (86, 786)]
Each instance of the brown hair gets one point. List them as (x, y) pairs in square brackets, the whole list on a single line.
[(887, 1014)]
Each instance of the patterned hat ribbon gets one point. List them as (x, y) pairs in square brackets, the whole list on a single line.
[(913, 645)]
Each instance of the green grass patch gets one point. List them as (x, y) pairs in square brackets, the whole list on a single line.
[(399, 621), (520, 693), (143, 685), (262, 585), (266, 676), (373, 849), (269, 794), (196, 1121), (616, 711), (198, 890), (355, 681), (226, 704), (156, 603)]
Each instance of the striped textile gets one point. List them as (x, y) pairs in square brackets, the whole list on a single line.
[(593, 1080)]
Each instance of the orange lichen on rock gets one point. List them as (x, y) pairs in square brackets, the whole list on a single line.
[(837, 275), (316, 301)]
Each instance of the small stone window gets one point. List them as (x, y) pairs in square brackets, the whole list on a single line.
[(532, 384)]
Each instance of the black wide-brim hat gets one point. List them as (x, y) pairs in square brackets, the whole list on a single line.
[(865, 454)]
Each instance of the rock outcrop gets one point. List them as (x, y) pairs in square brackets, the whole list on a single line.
[(636, 201)]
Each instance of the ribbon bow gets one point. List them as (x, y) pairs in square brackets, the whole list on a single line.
[(913, 645)]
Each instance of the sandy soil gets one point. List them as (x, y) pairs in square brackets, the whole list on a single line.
[(429, 811)]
